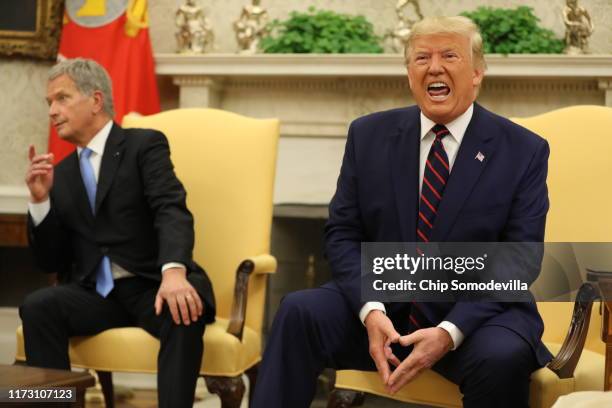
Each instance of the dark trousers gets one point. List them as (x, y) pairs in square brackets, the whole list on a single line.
[(314, 329), (54, 314)]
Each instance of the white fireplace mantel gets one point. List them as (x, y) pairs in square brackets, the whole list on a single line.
[(317, 95), (203, 78), (372, 65)]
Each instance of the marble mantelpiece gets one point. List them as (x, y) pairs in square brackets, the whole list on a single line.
[(316, 97)]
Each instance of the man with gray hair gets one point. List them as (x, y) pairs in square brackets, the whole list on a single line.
[(112, 221), (445, 170)]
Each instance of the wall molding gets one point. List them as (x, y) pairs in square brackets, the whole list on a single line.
[(400, 84), (377, 65), (13, 199), (317, 96)]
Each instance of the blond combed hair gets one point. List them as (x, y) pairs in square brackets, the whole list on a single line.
[(449, 25)]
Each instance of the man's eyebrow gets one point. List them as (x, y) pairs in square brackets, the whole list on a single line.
[(54, 94), (60, 92)]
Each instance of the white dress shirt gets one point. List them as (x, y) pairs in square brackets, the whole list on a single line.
[(451, 145), (38, 211)]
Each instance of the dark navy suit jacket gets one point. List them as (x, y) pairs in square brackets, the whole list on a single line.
[(501, 198)]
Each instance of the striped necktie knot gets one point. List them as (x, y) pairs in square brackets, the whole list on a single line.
[(440, 131)]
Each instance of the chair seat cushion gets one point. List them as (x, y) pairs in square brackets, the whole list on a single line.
[(131, 349), (433, 389)]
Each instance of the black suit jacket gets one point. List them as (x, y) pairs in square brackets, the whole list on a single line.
[(141, 219)]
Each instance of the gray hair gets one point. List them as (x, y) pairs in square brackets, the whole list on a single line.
[(449, 25), (88, 76)]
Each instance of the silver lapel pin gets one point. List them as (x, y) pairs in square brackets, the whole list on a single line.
[(480, 157)]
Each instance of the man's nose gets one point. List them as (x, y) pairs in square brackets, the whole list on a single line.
[(52, 110), (435, 65)]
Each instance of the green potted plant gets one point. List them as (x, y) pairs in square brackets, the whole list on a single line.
[(321, 31), (514, 31)]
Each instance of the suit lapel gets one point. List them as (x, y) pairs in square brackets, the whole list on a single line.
[(404, 158), (113, 154), (466, 170), (77, 187)]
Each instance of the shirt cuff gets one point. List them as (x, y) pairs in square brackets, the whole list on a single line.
[(38, 211), (173, 265), (368, 307), (454, 332)]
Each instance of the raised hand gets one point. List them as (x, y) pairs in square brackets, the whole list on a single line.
[(39, 177)]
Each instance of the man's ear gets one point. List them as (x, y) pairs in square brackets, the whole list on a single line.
[(98, 99), (478, 76)]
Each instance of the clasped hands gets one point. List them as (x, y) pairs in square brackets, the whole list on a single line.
[(429, 346)]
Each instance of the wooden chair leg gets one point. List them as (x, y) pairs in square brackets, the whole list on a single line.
[(80, 398), (340, 398), (106, 382), (252, 376), (229, 389)]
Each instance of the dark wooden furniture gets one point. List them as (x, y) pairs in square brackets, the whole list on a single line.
[(603, 280), (23, 377), (13, 230)]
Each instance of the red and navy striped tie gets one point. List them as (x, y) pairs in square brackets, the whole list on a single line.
[(435, 178)]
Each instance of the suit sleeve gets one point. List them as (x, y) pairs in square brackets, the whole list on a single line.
[(526, 223), (51, 246), (344, 230), (167, 199)]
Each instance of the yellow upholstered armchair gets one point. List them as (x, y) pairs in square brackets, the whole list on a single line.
[(580, 146), (227, 164)]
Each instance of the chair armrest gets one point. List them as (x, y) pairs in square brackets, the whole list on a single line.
[(566, 360), (265, 263), (260, 264)]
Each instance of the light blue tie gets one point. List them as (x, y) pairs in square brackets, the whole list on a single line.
[(104, 277)]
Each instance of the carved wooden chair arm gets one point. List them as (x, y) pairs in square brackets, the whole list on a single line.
[(259, 264), (566, 360)]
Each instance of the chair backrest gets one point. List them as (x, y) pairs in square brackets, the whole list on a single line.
[(227, 164), (579, 174)]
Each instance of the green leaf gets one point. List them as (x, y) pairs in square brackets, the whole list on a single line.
[(513, 31), (321, 31)]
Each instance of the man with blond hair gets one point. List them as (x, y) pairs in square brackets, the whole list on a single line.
[(446, 170), (111, 220)]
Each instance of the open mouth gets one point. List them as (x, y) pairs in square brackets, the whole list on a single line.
[(438, 90)]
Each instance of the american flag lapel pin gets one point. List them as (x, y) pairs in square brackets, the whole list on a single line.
[(480, 157)]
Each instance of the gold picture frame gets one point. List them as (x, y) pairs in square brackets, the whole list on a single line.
[(30, 28)]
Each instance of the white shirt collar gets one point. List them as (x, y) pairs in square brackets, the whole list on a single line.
[(456, 128), (98, 142)]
